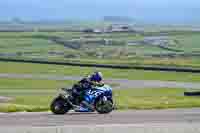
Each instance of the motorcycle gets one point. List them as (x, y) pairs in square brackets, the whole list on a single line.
[(98, 98)]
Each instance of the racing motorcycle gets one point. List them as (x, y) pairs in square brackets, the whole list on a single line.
[(100, 98)]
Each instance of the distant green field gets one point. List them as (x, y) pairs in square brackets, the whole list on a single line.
[(92, 48), (28, 47), (27, 44), (147, 50), (36, 44), (188, 43)]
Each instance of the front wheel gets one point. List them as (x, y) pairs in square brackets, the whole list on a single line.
[(104, 106), (59, 106)]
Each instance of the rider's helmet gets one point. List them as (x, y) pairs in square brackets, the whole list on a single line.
[(97, 77)]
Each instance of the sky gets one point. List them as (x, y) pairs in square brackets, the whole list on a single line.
[(152, 11)]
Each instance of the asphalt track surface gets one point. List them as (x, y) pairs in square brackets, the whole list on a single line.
[(46, 119)]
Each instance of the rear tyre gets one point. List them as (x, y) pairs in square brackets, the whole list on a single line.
[(59, 106)]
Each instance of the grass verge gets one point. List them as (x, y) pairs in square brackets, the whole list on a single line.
[(8, 108), (163, 98), (33, 84), (30, 95), (23, 68)]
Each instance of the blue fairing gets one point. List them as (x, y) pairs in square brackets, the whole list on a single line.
[(94, 93)]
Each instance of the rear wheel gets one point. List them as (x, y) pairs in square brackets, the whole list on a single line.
[(59, 106), (104, 107)]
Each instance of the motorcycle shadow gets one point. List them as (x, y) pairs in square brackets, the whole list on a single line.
[(76, 113), (81, 113)]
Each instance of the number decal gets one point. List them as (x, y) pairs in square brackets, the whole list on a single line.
[(94, 92)]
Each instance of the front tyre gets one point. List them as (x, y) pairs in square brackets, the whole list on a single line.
[(104, 107), (59, 106)]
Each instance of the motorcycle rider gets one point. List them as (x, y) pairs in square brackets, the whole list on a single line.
[(88, 82)]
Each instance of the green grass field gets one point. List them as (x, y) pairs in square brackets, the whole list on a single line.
[(29, 95), (32, 84), (30, 45), (35, 97), (131, 99), (187, 43), (29, 48), (26, 68), (162, 98)]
